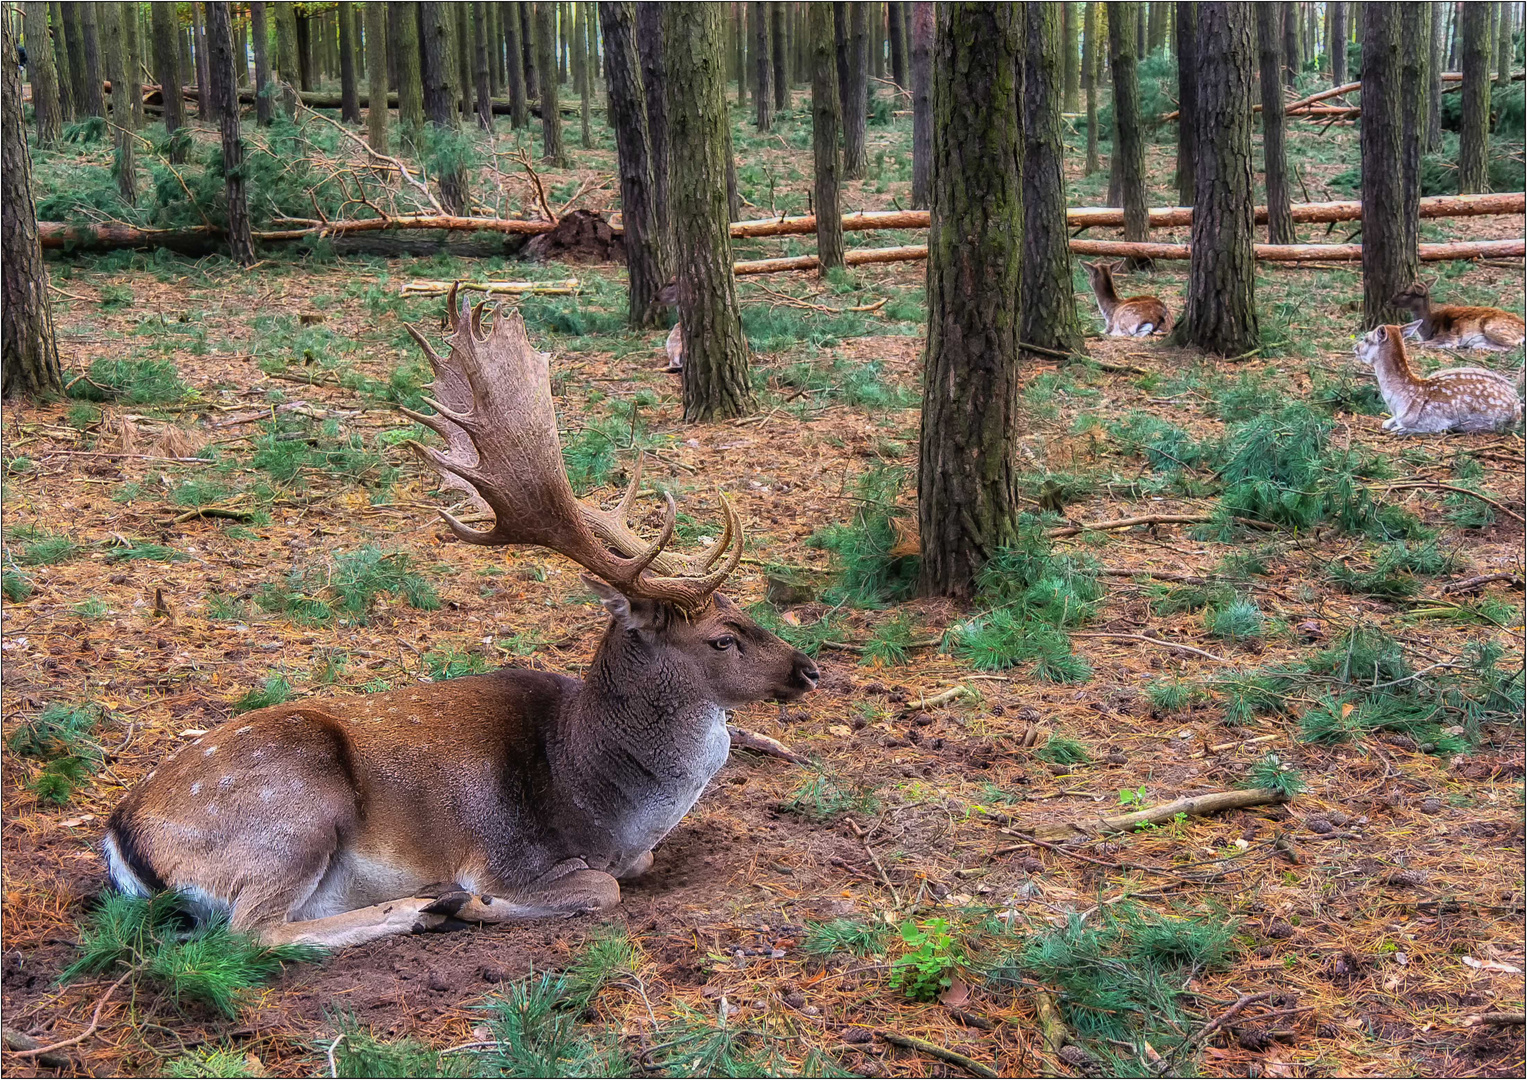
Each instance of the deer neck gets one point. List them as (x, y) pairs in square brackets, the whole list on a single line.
[(1107, 296), (1422, 307), (1392, 370)]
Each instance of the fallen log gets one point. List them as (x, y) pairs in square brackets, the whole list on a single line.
[(1347, 88), (1193, 806), (513, 288), (853, 257)]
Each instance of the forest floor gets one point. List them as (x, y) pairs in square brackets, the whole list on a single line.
[(1373, 918)]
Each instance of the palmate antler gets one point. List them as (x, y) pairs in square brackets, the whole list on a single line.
[(492, 402)]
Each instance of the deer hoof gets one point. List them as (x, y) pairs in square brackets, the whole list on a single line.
[(448, 903)]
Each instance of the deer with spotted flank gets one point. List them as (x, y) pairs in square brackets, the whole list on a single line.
[(1134, 316), (1464, 399), (490, 798)]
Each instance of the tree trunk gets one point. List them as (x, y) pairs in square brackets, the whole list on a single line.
[(260, 40), (199, 52), (60, 53), (28, 349), (1474, 123), (1503, 45), (649, 39), (528, 51), (1338, 42), (1220, 315), (349, 84), (89, 95), (483, 70), (922, 102), (1155, 34), (133, 58), (1048, 301), (1070, 66), (763, 67), (167, 65), (853, 91), (1289, 13), (716, 382), (967, 497), (225, 104), (1434, 80), (1454, 21), (410, 75), (441, 100), (514, 68), (240, 51), (375, 16), (1415, 44), (780, 55), (827, 161), (1186, 17), (42, 73), (1090, 56), (1129, 138), (302, 43), (896, 34), (1280, 220), (647, 260), (463, 57), (113, 66), (287, 63), (1389, 260), (581, 73), (546, 64)]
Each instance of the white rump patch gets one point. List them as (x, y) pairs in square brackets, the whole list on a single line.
[(122, 875)]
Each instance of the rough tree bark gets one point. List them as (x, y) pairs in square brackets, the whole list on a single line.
[(260, 44), (647, 260), (763, 68), (1071, 69), (440, 98), (89, 92), (922, 101), (519, 109), (1390, 260), (546, 64), (410, 74), (1288, 13), (375, 16), (1220, 315), (1338, 43), (483, 72), (1048, 316), (1280, 219), (199, 51), (42, 72), (827, 159), (581, 75), (851, 22), (781, 50), (528, 49), (114, 63), (1503, 44), (133, 48), (61, 61), (287, 56), (716, 384), (1474, 123), (28, 349), (897, 32), (1187, 96), (1434, 79), (349, 85), (1129, 136), (1415, 40), (649, 39), (224, 89), (966, 484), (1090, 55)]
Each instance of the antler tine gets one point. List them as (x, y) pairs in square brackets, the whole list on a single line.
[(477, 315), (436, 361)]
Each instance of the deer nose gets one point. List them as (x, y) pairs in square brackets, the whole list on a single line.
[(806, 670)]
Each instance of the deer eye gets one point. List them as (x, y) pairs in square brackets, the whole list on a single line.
[(721, 644)]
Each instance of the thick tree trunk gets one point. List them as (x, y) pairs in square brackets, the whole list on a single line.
[(483, 72), (781, 56), (966, 484), (1070, 63), (716, 382), (850, 28), (1220, 315), (528, 50), (649, 39), (1129, 137), (88, 93), (896, 20), (441, 99), (828, 162), (514, 60), (1474, 123), (1288, 13), (114, 62), (1048, 315), (1415, 42), (647, 259), (60, 54), (1186, 17), (167, 64), (1389, 256), (1280, 221), (302, 44), (410, 74), (763, 68), (1338, 42), (224, 91), (1090, 57), (287, 63), (349, 85), (922, 101), (463, 56), (28, 349), (260, 41), (42, 73), (375, 15), (546, 64)]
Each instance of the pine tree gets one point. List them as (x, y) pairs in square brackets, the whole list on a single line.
[(922, 102), (42, 72), (1280, 216), (827, 159), (1090, 55), (375, 15), (349, 85), (1338, 42), (1186, 18), (1390, 259), (1129, 135), (763, 68), (260, 45), (546, 64), (1474, 123), (441, 105)]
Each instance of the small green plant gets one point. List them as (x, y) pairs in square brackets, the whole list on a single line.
[(843, 936), (82, 417), (1059, 750), (224, 608), (873, 567), (48, 550), (212, 1061), (1132, 796), (609, 954), (1273, 773), (450, 663), (15, 585), (1239, 620), (275, 690), (890, 644), (535, 1035), (62, 739), (93, 608), (926, 969), (134, 382), (142, 549), (1171, 695), (824, 797), (358, 1052)]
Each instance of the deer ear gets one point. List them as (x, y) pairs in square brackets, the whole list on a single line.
[(628, 614)]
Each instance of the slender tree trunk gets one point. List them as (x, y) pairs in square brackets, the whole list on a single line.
[(42, 73), (649, 39), (967, 491), (1155, 34), (1129, 140), (528, 50), (302, 42), (763, 66), (375, 15), (441, 101), (922, 102), (1455, 23), (349, 84), (167, 66), (1474, 124), (410, 75), (225, 103), (1415, 87), (482, 72), (546, 63), (1289, 14), (240, 50), (853, 92), (1280, 217), (1048, 303), (827, 160), (133, 59), (581, 73), (1070, 67), (514, 59), (113, 65), (1503, 45), (287, 61), (1338, 45), (463, 55), (1090, 54), (896, 33), (61, 62), (1220, 315), (781, 56), (265, 89), (28, 349), (1390, 258), (89, 94), (716, 382), (1185, 18), (199, 51)]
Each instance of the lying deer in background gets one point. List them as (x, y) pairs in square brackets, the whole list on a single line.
[(1453, 326), (674, 346), (495, 797), (1455, 399), (1137, 316)]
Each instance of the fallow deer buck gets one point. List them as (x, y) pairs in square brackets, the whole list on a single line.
[(1467, 399), (1453, 326), (496, 797), (674, 346), (1135, 316)]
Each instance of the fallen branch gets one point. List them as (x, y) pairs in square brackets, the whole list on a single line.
[(1225, 1017), (939, 700), (1193, 806), (864, 841), (1479, 582), (954, 1057), (1498, 1019), (211, 512), (95, 1022), (1173, 645), (1459, 490), (751, 740), (1131, 522), (440, 288), (1053, 1031)]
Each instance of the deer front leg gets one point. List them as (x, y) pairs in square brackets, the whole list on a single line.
[(636, 867), (569, 888), (406, 916)]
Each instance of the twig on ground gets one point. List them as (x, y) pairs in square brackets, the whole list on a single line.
[(333, 1046), (864, 840), (95, 1021), (1479, 582), (1498, 1019), (751, 740), (954, 1057), (1155, 641), (1052, 1027), (1193, 806), (1225, 1017), (1459, 490)]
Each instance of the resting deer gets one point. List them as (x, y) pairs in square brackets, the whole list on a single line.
[(1136, 316), (674, 346), (1453, 326), (1455, 399), (496, 797)]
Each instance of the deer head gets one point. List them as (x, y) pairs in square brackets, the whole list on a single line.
[(1415, 296)]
